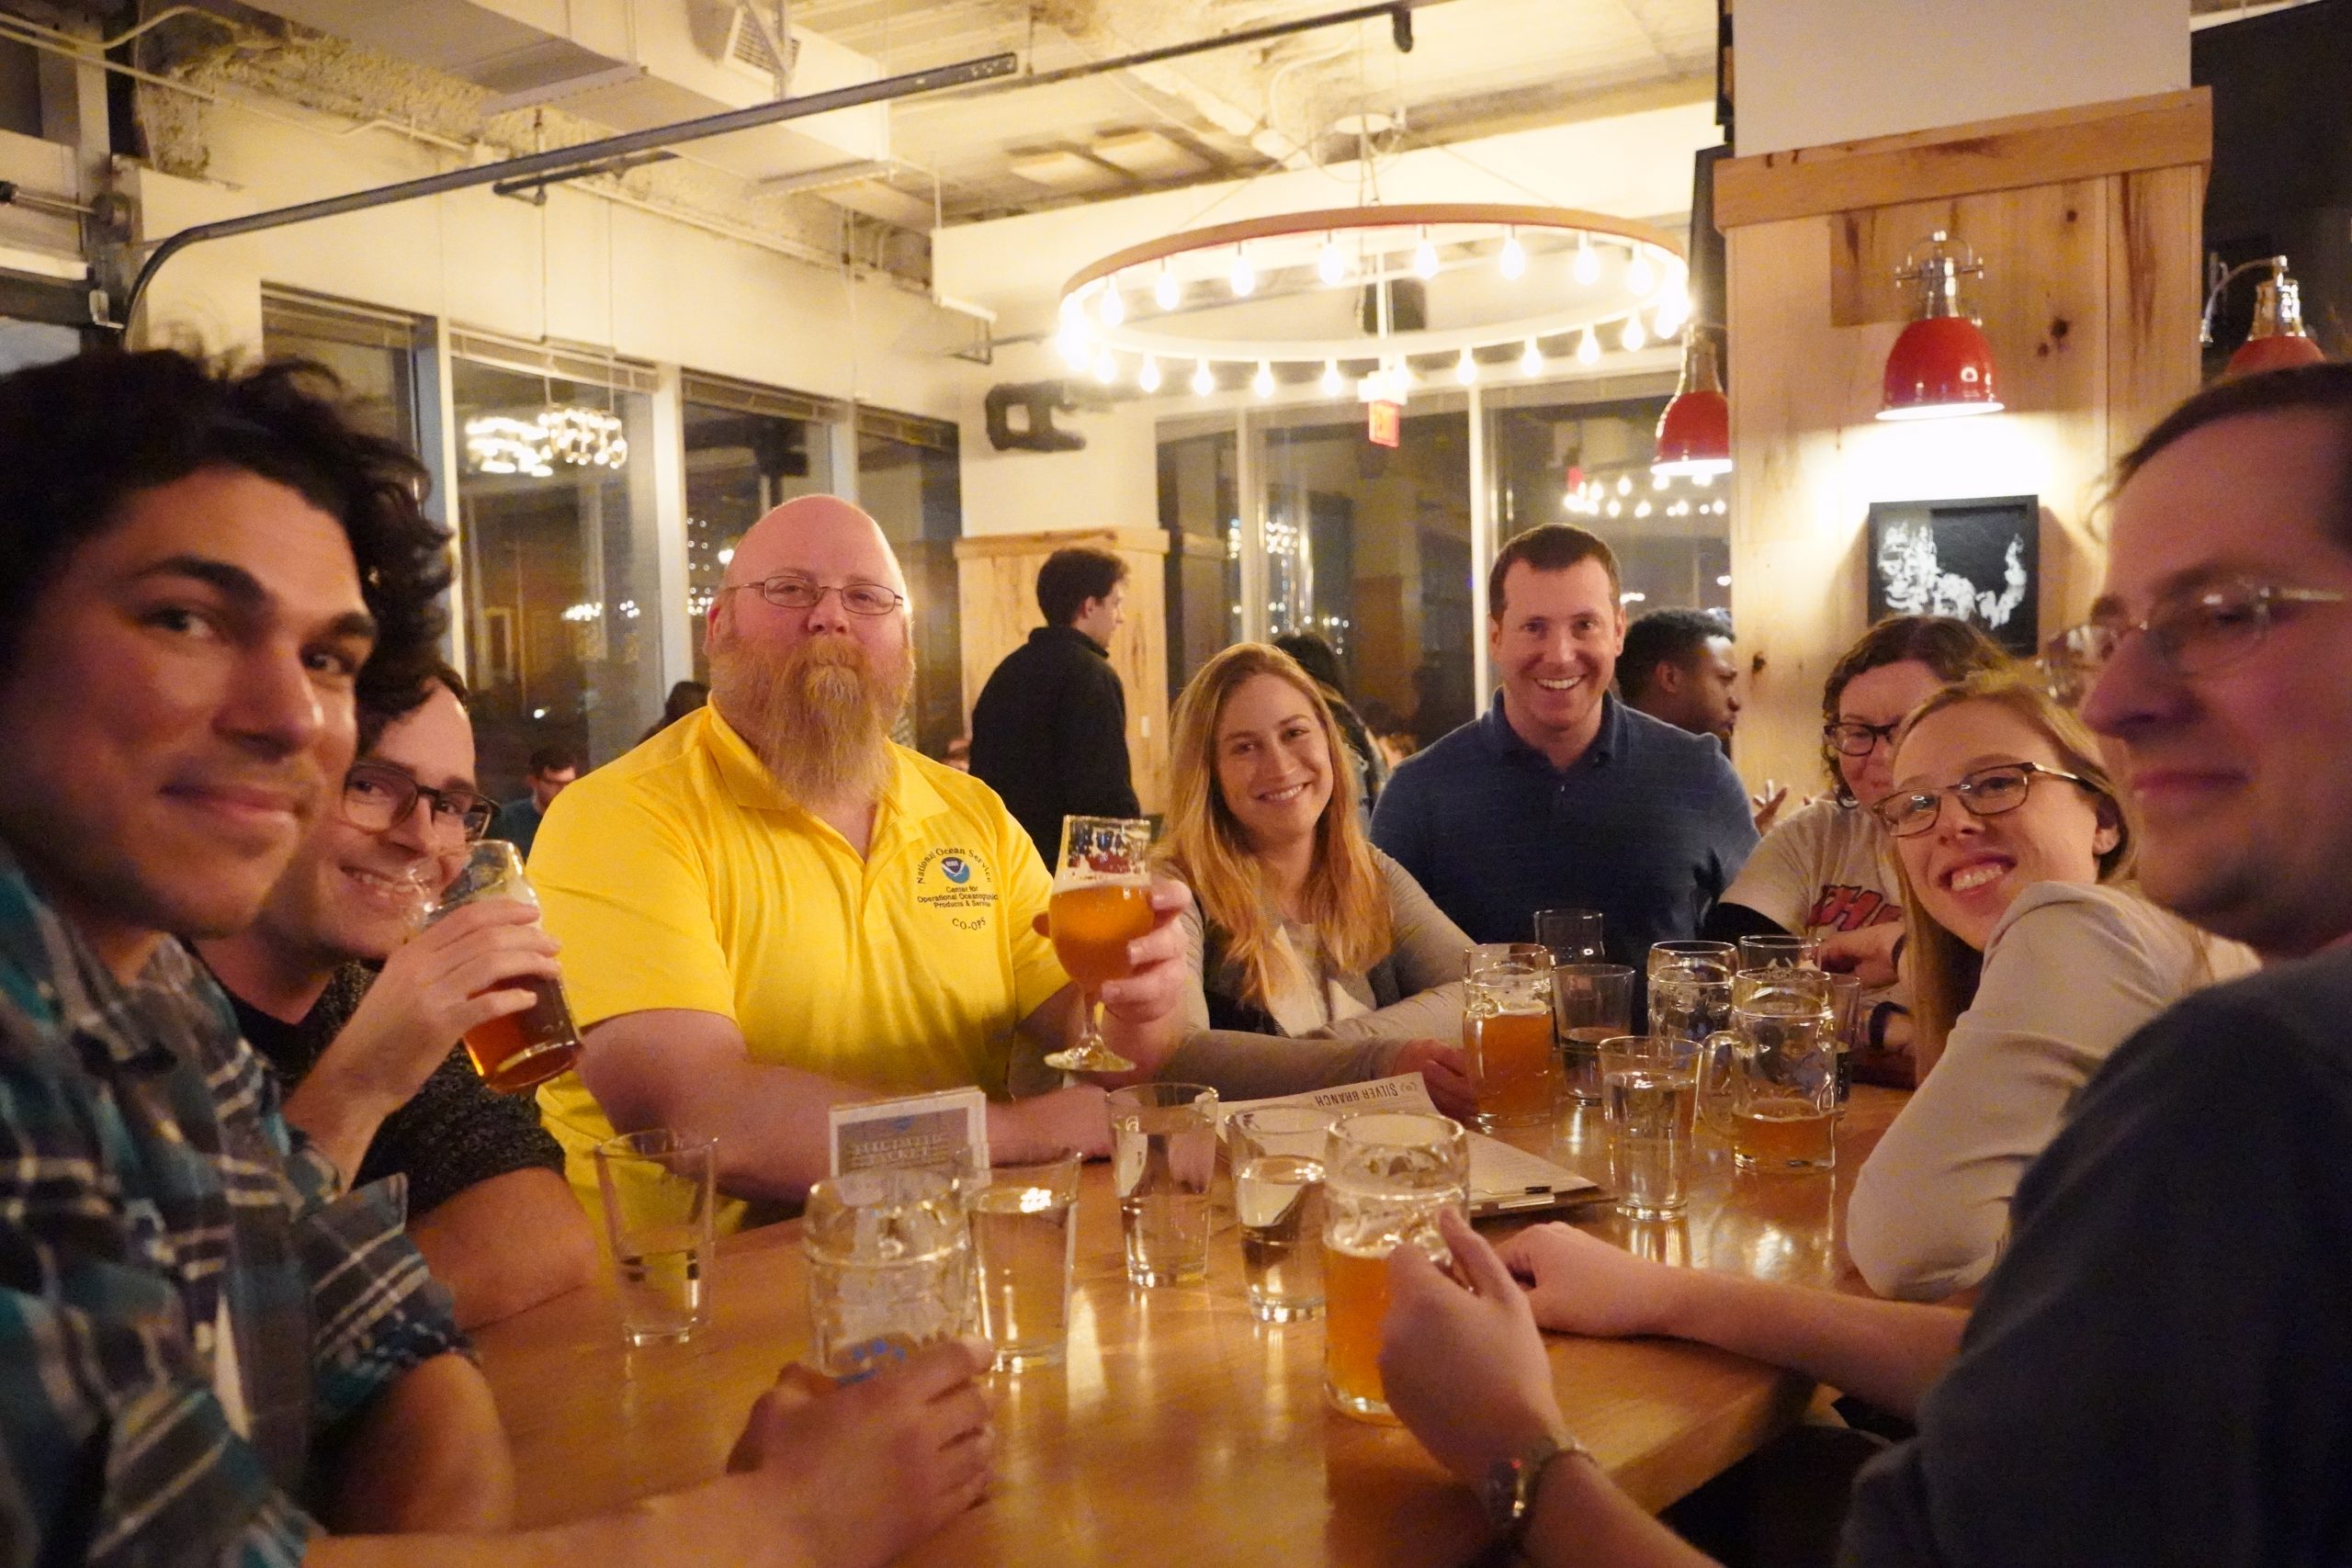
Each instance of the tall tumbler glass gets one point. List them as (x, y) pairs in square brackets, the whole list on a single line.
[(1388, 1176), (1590, 1003), (1163, 1155), (1024, 1249), (1101, 902), (1507, 1034), (1277, 1153), (1573, 935), (890, 1268), (657, 1186), (519, 1050), (1649, 1094)]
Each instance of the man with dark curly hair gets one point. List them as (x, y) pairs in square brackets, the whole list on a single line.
[(209, 1350)]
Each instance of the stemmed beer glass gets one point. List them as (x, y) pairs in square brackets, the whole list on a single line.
[(1101, 901)]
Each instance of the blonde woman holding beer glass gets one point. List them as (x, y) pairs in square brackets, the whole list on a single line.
[(1314, 958), (2031, 958)]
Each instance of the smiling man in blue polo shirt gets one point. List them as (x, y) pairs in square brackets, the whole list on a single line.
[(1560, 796)]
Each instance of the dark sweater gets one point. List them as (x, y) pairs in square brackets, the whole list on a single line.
[(1049, 734)]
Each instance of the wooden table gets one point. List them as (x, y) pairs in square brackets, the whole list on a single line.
[(1181, 1430)]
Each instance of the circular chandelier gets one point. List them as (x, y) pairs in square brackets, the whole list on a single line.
[(1376, 296)]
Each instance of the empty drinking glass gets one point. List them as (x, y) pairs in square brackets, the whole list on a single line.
[(1573, 935), (1590, 1003)]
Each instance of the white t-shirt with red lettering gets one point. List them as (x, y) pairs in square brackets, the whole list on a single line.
[(1827, 868)]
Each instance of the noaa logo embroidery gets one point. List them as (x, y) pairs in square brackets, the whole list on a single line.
[(955, 869), (957, 882)]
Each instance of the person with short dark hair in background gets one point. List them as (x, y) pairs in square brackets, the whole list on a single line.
[(1050, 732), (552, 767), (683, 698), (1322, 662), (1678, 666)]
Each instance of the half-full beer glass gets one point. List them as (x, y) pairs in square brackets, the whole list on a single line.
[(890, 1268), (1101, 901), (1774, 1073), (522, 1049), (1507, 1034), (1388, 1176)]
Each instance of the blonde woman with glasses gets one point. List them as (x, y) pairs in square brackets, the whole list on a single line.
[(1315, 959), (2031, 957)]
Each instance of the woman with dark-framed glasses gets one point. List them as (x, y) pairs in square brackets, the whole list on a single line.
[(2030, 958), (1827, 869)]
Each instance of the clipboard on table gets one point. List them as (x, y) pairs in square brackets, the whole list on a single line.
[(1503, 1180)]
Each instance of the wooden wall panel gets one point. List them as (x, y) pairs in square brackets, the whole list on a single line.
[(997, 575)]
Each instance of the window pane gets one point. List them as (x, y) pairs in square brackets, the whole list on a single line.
[(564, 621), (1370, 548), (912, 490), (1199, 507), (739, 467), (379, 383)]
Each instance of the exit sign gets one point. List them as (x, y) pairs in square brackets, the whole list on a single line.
[(1385, 423)]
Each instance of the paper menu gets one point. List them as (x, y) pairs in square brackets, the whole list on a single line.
[(948, 1130), (1503, 1179)]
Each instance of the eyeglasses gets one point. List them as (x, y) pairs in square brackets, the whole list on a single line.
[(1987, 792), (1855, 739), (376, 799), (799, 593), (2194, 630)]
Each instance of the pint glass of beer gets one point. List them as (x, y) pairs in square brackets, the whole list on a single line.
[(1387, 1176), (1101, 901), (1507, 1034), (1776, 1071), (522, 1049)]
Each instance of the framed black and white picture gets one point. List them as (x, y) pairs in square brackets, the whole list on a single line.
[(1979, 560)]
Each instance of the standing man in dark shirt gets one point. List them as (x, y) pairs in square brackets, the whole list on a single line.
[(1049, 733), (552, 766), (370, 1060), (2156, 1370), (1561, 796)]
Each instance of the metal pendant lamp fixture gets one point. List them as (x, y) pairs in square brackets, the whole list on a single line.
[(2277, 341), (1694, 433), (1941, 367)]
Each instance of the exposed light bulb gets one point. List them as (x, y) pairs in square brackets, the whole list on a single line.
[(1624, 484), (1263, 383), (1659, 482), (1514, 257), (1147, 377), (1465, 369), (1333, 382), (1531, 359), (1702, 480), (1071, 342), (1641, 277), (1586, 269), (1073, 309), (1113, 309), (1616, 508), (1634, 337), (1641, 509), (1330, 265), (1588, 351), (1202, 382), (1163, 288), (1106, 367), (1245, 277), (1425, 258)]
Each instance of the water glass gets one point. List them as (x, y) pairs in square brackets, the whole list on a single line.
[(1387, 1178), (1690, 984), (1771, 1077), (1649, 1091), (1024, 1248), (1507, 1034), (1590, 1003), (1845, 1025), (658, 1188), (1780, 952), (1163, 1152), (1277, 1153), (889, 1256), (1573, 935)]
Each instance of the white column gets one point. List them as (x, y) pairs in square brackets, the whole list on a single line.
[(679, 628)]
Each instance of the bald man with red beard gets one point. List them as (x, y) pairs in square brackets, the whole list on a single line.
[(769, 908)]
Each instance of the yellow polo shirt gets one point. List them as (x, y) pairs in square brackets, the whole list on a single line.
[(680, 876)]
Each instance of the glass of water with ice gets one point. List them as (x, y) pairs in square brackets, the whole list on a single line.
[(1277, 1156)]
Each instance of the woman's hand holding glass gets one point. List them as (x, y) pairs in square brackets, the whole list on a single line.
[(1445, 1071)]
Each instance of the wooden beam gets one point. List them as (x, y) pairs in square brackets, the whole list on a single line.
[(2166, 130)]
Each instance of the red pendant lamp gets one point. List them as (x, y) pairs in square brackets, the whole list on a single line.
[(1694, 433), (2277, 341), (1941, 367)]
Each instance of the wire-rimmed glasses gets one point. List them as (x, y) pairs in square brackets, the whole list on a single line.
[(1987, 792)]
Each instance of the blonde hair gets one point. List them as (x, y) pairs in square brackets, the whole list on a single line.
[(1346, 896), (1944, 969)]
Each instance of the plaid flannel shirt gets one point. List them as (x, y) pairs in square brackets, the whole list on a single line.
[(146, 1178)]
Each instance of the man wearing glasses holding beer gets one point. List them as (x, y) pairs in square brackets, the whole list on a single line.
[(768, 908), (370, 1058)]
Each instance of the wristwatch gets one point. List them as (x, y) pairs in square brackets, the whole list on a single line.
[(1507, 1494)]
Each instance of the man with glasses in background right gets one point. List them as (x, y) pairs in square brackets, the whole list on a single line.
[(2155, 1372)]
